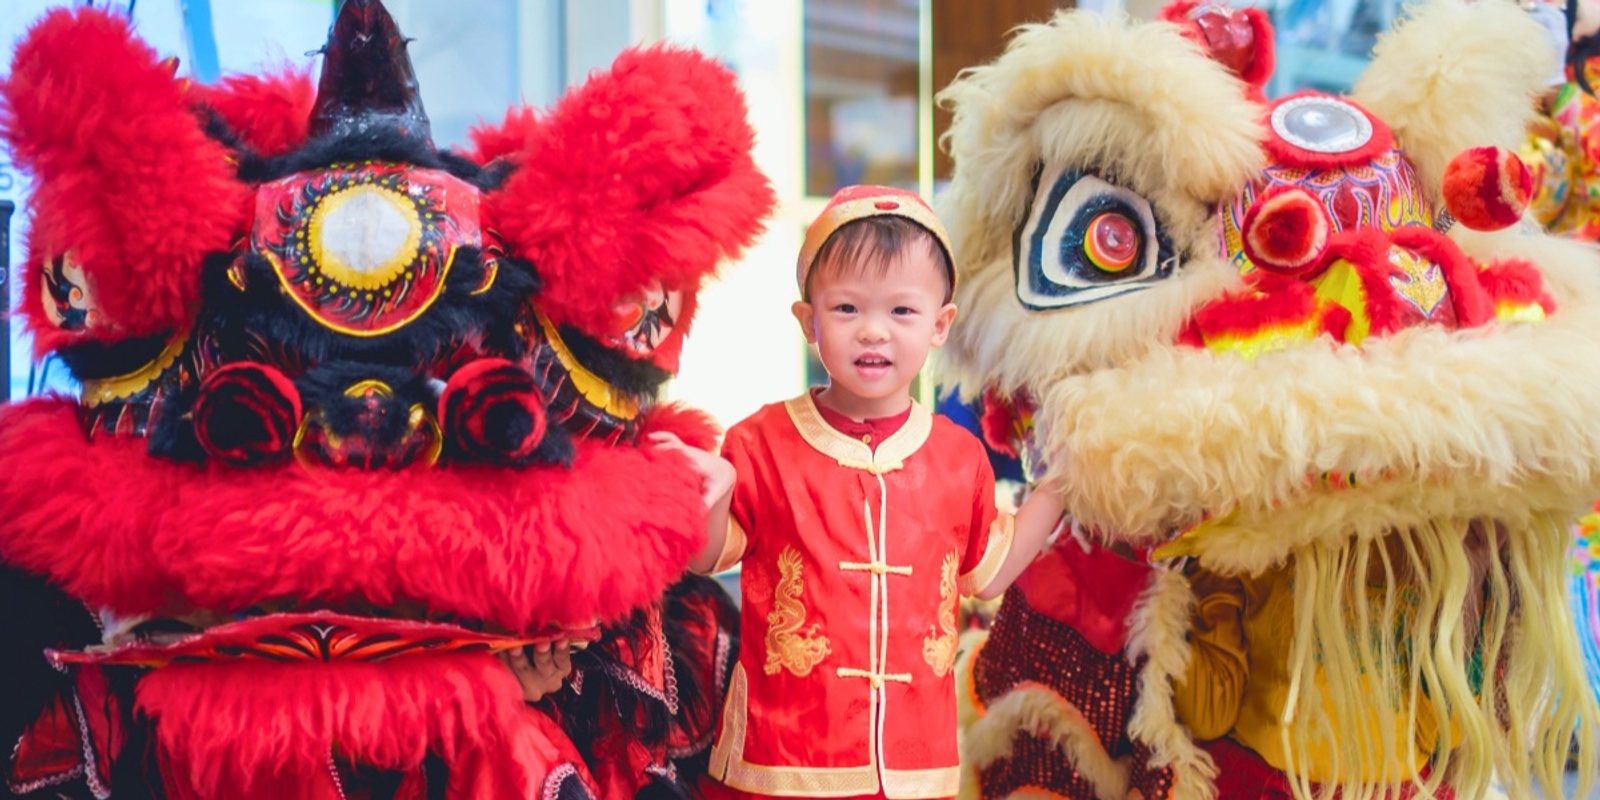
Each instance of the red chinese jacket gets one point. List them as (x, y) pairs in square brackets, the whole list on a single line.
[(854, 559)]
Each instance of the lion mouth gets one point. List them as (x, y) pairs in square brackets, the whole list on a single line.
[(303, 636)]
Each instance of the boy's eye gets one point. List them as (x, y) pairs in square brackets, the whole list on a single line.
[(904, 310), (845, 308)]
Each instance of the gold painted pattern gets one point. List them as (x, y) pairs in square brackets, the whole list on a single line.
[(317, 316), (357, 277), (1423, 282), (939, 646), (121, 387), (594, 388), (787, 647)]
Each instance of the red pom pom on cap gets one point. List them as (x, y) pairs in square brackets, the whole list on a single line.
[(1286, 231), (1487, 188)]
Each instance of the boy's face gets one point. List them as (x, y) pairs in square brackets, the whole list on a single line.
[(873, 331)]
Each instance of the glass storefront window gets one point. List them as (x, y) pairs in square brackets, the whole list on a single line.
[(861, 93)]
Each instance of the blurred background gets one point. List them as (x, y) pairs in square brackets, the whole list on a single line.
[(840, 92)]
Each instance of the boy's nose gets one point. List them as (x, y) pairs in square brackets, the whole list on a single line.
[(872, 333)]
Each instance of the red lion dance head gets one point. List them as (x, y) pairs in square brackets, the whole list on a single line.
[(357, 412)]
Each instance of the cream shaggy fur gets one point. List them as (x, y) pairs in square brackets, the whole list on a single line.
[(1159, 632), (1032, 709), (1456, 75), (1494, 423), (1063, 94)]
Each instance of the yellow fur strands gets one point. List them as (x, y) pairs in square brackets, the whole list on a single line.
[(1396, 663), (1546, 695)]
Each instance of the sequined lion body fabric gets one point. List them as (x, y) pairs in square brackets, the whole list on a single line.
[(357, 414), (1306, 384)]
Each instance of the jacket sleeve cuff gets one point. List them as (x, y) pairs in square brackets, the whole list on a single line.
[(994, 555)]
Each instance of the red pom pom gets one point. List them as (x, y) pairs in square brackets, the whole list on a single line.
[(1286, 231), (492, 411), (246, 414), (1239, 39), (1487, 188), (999, 424)]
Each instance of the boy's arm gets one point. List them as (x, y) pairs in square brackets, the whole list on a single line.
[(1039, 515), (717, 478), (724, 541)]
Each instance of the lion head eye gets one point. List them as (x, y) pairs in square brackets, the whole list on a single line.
[(1084, 239)]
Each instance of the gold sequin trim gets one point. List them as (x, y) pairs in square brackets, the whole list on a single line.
[(787, 647), (939, 646)]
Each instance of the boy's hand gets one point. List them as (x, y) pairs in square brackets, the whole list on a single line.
[(716, 474), (544, 673)]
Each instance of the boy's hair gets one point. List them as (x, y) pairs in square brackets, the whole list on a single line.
[(874, 243), (854, 204)]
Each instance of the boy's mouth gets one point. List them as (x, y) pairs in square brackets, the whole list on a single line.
[(873, 361)]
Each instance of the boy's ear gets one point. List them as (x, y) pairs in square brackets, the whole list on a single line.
[(942, 321), (806, 315)]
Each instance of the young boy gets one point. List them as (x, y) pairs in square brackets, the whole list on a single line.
[(860, 519)]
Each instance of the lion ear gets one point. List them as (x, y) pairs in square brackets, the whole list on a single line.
[(643, 173), (270, 114), (507, 139), (1494, 53), (128, 188)]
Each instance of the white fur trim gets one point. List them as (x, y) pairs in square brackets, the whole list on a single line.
[(1159, 631), (1035, 710)]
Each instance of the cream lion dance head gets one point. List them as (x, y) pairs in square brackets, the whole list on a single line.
[(1258, 342)]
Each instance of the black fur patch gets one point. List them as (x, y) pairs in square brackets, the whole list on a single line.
[(322, 388), (97, 360), (262, 324), (633, 376), (218, 129), (487, 178), (37, 615), (378, 143)]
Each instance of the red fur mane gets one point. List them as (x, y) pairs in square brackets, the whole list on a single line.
[(126, 179), (642, 173)]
